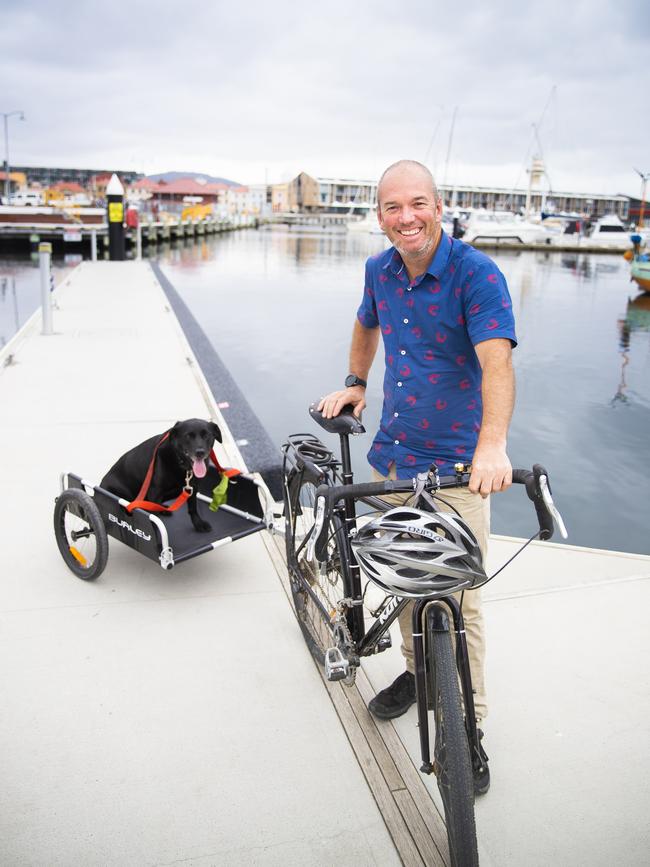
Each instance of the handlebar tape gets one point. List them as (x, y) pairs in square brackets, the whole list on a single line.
[(531, 482), (365, 489)]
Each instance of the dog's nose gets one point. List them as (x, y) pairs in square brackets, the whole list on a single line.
[(200, 454)]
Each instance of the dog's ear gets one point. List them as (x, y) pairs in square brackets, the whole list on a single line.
[(216, 432), (173, 433)]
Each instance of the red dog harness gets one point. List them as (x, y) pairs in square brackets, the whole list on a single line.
[(141, 503)]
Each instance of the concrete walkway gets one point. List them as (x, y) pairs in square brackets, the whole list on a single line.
[(568, 656), (150, 717)]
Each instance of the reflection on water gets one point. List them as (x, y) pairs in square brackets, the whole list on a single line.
[(637, 318)]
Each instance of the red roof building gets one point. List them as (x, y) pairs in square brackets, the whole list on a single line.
[(178, 189)]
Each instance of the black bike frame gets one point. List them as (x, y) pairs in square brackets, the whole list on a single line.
[(433, 610)]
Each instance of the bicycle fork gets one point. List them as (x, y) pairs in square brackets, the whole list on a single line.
[(435, 615)]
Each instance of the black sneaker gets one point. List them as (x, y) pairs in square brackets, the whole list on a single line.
[(396, 699), (481, 774)]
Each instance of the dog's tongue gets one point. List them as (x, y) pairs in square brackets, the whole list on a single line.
[(199, 469)]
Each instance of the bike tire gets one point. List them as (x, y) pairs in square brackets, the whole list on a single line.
[(316, 588), (80, 534), (452, 761)]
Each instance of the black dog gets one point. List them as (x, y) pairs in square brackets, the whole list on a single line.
[(185, 450)]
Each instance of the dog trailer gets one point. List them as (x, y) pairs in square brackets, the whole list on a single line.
[(85, 515)]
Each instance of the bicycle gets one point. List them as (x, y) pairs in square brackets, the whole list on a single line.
[(320, 500)]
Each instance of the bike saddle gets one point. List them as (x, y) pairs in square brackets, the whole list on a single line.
[(344, 423)]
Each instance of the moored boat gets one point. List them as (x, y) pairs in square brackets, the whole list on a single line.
[(639, 264)]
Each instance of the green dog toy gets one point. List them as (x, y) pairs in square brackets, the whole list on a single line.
[(219, 494)]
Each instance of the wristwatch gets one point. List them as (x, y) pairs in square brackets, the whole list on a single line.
[(352, 379)]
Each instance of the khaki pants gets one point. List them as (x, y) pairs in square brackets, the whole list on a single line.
[(476, 511)]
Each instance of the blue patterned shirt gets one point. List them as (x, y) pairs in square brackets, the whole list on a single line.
[(432, 385)]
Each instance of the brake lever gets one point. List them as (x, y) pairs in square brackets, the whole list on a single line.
[(550, 505)]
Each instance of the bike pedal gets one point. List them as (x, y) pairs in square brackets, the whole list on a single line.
[(337, 666)]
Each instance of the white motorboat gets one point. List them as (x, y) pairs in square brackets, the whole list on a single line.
[(609, 233), (494, 227)]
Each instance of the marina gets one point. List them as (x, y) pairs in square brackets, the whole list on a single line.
[(157, 707), (77, 227), (203, 664), (304, 291)]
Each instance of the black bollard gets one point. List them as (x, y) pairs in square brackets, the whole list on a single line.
[(115, 200)]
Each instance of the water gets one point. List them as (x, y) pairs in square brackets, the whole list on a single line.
[(279, 308), (20, 290)]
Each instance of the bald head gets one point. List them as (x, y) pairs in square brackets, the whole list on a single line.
[(407, 169)]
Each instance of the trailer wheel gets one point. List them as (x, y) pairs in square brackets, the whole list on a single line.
[(80, 534)]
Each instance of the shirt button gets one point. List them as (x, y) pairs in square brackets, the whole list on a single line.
[(402, 352), (399, 384), (395, 414), (406, 322), (396, 442), (409, 288)]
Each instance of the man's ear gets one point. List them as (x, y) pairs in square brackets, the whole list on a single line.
[(216, 432)]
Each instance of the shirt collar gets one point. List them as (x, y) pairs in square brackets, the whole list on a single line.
[(438, 262)]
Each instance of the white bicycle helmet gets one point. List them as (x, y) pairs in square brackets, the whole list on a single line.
[(408, 552)]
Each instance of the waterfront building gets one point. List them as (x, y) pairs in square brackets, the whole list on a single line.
[(356, 196), (248, 200), (345, 194), (48, 176), (301, 195), (501, 199), (175, 195), (67, 193), (17, 181), (279, 198)]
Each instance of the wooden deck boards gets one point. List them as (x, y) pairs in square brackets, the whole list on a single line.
[(414, 823)]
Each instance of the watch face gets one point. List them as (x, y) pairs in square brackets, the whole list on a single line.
[(353, 380)]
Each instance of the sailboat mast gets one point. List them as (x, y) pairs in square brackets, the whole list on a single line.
[(451, 138)]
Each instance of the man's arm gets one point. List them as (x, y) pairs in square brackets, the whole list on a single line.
[(491, 469), (362, 352)]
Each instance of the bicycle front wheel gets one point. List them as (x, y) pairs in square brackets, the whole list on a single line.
[(316, 587), (452, 762)]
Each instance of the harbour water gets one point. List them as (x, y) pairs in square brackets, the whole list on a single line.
[(279, 307), (20, 290)]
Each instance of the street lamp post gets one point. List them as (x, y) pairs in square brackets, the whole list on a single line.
[(6, 115)]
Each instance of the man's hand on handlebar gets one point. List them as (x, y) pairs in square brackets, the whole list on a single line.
[(332, 404), (491, 471)]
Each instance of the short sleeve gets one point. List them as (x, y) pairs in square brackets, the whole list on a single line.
[(487, 304), (367, 312)]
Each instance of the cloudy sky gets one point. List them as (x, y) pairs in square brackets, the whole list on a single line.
[(261, 90)]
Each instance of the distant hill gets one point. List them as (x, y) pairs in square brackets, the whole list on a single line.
[(169, 177)]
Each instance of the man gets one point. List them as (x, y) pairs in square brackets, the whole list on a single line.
[(445, 315)]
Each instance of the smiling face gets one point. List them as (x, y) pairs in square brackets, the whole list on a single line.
[(410, 214)]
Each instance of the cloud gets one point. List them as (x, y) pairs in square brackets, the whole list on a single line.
[(256, 89)]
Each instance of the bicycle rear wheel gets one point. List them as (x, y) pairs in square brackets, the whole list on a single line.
[(316, 587), (452, 762)]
